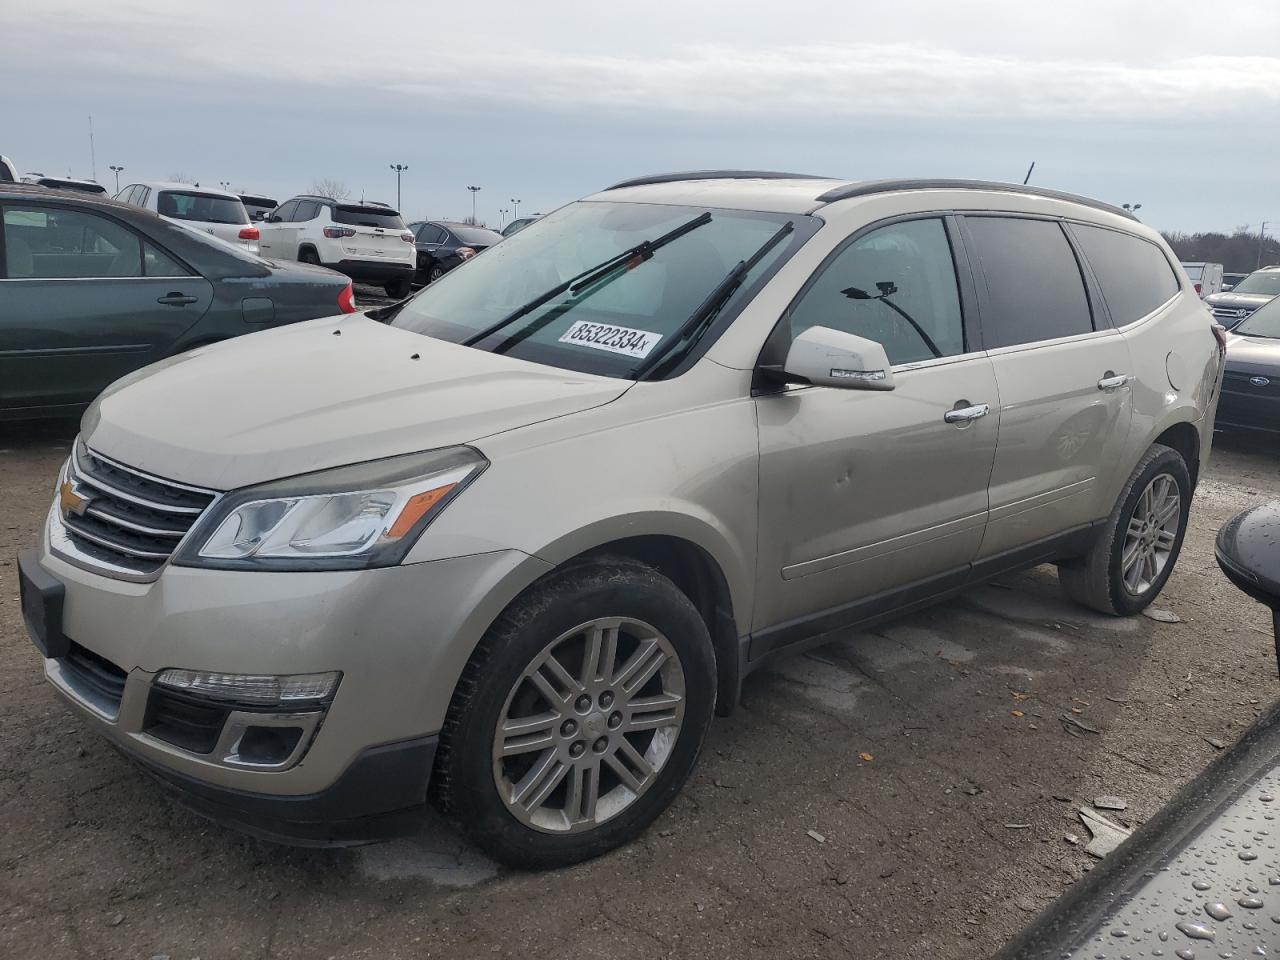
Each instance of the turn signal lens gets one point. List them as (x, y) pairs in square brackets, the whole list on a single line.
[(253, 688), (419, 505), (347, 299)]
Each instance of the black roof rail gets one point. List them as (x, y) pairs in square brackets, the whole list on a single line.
[(868, 187), (713, 175)]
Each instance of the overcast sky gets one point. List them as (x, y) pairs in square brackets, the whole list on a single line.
[(1170, 104)]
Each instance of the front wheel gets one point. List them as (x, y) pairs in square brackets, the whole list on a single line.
[(1134, 554), (579, 717)]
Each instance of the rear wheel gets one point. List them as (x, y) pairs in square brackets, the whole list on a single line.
[(307, 255), (1134, 554), (436, 273), (399, 289), (580, 716)]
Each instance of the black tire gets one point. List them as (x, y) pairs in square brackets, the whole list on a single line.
[(308, 255), (399, 289), (464, 781), (435, 273), (1096, 580)]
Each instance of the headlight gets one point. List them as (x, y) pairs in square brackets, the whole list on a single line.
[(366, 515)]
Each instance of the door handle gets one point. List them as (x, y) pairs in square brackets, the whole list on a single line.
[(1114, 381), (967, 414), (176, 299)]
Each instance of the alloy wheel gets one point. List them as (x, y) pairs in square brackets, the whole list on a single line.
[(1151, 534), (588, 725)]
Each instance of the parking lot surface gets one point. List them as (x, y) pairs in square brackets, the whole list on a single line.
[(907, 792)]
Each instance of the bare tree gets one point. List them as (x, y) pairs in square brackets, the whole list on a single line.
[(333, 189), (182, 178)]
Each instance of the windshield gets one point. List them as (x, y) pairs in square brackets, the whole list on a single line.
[(476, 235), (607, 327), (358, 216), (1194, 270), (1263, 322), (201, 207), (1267, 284)]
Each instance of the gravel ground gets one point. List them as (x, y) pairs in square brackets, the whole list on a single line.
[(941, 845)]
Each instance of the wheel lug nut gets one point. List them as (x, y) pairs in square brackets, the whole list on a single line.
[(577, 749), (569, 728), (601, 745), (583, 704), (615, 721), (606, 699)]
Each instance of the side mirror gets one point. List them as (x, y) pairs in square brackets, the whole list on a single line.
[(1227, 287), (1248, 551), (273, 219), (831, 358)]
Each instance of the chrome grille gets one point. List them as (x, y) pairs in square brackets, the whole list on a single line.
[(122, 521), (1232, 314)]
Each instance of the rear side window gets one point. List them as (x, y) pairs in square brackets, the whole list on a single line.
[(51, 243), (1134, 274), (1194, 270), (1035, 290), (160, 264), (431, 234), (897, 286), (200, 207), (284, 214), (307, 210), (360, 216)]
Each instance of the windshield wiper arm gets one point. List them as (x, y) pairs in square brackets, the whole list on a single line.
[(589, 276), (692, 329), (887, 289)]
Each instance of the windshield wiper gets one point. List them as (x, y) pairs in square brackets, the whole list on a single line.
[(642, 251), (693, 328)]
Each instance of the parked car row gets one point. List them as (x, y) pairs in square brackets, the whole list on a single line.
[(1233, 306), (92, 289), (574, 493)]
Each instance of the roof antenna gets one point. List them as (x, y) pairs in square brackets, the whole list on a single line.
[(1027, 178)]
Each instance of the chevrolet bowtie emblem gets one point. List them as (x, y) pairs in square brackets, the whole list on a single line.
[(71, 502)]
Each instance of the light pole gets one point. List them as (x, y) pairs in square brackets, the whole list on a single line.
[(1262, 240), (399, 168), (1132, 207), (515, 208), (474, 191), (116, 170), (225, 184), (503, 214)]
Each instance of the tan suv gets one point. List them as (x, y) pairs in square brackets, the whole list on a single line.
[(510, 544)]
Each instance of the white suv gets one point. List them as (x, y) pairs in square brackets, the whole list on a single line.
[(369, 242), (216, 212)]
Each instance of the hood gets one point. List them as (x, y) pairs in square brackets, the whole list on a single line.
[(1233, 299), (321, 394), (1253, 354)]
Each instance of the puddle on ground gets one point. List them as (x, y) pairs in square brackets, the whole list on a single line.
[(435, 853)]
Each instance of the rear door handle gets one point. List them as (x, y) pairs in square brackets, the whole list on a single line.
[(967, 414), (176, 299), (1114, 381)]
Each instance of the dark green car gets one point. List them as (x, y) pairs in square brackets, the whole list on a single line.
[(92, 289)]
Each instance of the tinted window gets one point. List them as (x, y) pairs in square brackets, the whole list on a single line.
[(477, 236), (897, 286), (1034, 287), (52, 242), (307, 210), (358, 216), (430, 233), (5, 176), (1134, 275), (142, 196), (160, 264), (285, 213), (200, 207)]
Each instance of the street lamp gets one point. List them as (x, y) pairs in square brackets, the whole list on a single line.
[(1132, 207), (515, 208), (116, 170), (474, 191), (225, 184), (503, 213), (399, 168)]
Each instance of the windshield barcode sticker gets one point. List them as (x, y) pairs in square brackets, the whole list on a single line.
[(605, 336)]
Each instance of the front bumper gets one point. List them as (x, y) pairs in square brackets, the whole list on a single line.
[(400, 636)]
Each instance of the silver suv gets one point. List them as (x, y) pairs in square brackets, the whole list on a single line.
[(511, 543)]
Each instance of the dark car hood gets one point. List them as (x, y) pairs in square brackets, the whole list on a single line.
[(1253, 354)]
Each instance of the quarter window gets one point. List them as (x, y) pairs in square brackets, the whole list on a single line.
[(306, 210), (160, 264), (56, 243), (1034, 287), (897, 286), (1133, 273)]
